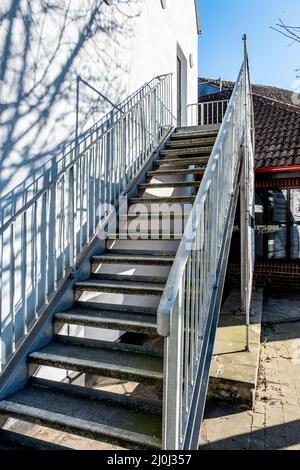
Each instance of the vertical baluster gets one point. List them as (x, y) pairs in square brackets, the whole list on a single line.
[(47, 228), (24, 273), (81, 190), (192, 315), (94, 205), (181, 312), (71, 211), (12, 286), (87, 195), (197, 283), (35, 256), (54, 239), (124, 152), (187, 363), (62, 226)]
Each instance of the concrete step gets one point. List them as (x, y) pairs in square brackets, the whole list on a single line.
[(117, 287), (117, 419), (107, 258), (204, 142), (104, 358), (181, 161), (197, 134), (161, 199), (108, 319), (155, 215), (187, 151), (152, 235), (174, 184), (142, 252), (10, 440), (177, 172), (126, 277), (120, 308)]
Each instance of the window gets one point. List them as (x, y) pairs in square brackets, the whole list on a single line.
[(278, 224)]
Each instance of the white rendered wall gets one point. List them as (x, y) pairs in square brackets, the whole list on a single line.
[(116, 48)]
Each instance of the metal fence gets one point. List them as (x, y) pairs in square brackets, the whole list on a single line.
[(185, 313), (41, 243), (207, 113)]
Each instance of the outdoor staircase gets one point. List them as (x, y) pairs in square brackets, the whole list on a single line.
[(127, 268)]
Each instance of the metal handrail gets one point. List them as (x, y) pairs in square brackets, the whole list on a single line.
[(188, 309), (43, 241), (76, 158)]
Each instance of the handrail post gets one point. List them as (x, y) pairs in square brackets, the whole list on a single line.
[(71, 216), (245, 206)]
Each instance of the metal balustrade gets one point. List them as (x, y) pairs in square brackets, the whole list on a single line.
[(189, 307), (207, 112), (41, 243)]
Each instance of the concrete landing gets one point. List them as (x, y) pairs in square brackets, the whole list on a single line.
[(233, 375)]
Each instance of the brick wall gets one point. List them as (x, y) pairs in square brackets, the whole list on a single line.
[(277, 277)]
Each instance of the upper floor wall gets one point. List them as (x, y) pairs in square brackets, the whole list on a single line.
[(115, 45)]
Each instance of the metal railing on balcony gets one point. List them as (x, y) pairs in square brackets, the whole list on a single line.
[(207, 112), (42, 242), (189, 307)]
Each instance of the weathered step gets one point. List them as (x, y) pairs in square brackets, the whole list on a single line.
[(114, 320), (108, 359), (107, 258), (174, 184), (154, 235), (117, 419), (126, 277), (123, 308), (178, 172), (194, 135), (162, 199), (10, 440), (142, 252), (187, 151), (181, 161), (204, 142), (118, 287), (155, 215)]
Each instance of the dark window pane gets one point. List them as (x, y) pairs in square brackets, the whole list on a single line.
[(276, 224), (259, 222), (295, 223)]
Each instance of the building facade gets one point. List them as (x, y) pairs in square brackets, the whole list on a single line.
[(115, 47), (277, 170)]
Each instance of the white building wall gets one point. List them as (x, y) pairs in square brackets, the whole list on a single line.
[(45, 45), (116, 48)]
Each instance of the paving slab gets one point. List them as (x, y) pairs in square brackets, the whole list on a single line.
[(275, 415), (233, 375)]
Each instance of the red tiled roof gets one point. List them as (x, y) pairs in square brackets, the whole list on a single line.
[(277, 125), (273, 93)]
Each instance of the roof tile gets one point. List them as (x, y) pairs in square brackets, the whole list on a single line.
[(277, 124)]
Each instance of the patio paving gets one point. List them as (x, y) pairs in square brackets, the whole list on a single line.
[(233, 374), (274, 421)]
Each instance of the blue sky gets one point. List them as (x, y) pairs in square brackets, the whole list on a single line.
[(223, 22)]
